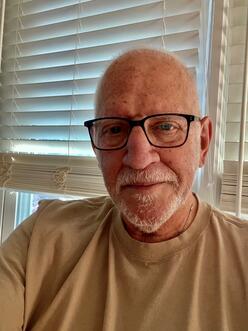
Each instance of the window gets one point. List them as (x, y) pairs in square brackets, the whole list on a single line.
[(27, 203), (53, 55), (55, 51), (19, 205), (234, 184)]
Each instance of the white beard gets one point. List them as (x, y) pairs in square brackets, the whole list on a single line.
[(145, 216), (145, 213)]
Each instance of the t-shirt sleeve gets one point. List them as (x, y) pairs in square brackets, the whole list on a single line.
[(13, 256)]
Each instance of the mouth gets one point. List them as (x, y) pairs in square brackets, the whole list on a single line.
[(141, 186)]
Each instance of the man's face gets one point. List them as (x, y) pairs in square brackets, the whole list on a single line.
[(148, 184)]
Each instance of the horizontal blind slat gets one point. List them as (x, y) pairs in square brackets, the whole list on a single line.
[(49, 103), (174, 24), (174, 42), (237, 54), (38, 173), (76, 117), (233, 132), (237, 35), (63, 73), (232, 151), (81, 71), (82, 55), (94, 7), (87, 24), (229, 186), (236, 45), (237, 16), (45, 133), (78, 148), (61, 87)]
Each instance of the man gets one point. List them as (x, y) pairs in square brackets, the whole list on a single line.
[(151, 257)]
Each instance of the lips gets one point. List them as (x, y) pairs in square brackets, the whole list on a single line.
[(140, 185)]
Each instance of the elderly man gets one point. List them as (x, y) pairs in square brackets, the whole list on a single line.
[(150, 257)]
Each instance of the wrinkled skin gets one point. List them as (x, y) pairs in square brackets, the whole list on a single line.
[(152, 186)]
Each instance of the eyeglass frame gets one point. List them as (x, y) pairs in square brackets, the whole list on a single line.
[(133, 123)]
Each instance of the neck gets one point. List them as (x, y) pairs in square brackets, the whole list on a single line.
[(178, 223)]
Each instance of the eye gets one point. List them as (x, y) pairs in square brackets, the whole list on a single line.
[(112, 129), (115, 129), (166, 126)]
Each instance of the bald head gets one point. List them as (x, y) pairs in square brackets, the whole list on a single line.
[(151, 72)]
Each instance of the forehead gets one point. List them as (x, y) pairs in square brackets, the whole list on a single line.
[(144, 85)]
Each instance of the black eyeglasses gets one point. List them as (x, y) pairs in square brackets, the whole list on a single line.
[(161, 130)]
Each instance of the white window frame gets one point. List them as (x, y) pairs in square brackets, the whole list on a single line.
[(7, 213), (211, 178)]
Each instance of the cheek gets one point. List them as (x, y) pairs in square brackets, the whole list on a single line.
[(191, 153), (183, 161), (110, 164)]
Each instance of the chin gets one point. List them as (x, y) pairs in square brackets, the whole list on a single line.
[(146, 212)]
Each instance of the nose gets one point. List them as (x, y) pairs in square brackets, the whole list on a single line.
[(139, 152)]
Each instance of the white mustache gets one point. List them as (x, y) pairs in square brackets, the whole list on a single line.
[(146, 177)]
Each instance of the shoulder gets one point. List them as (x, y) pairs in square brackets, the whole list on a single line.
[(228, 219), (82, 207), (228, 228), (67, 227), (54, 218), (55, 214)]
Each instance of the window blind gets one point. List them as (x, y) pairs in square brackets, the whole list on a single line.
[(52, 174), (236, 67), (55, 51), (236, 41)]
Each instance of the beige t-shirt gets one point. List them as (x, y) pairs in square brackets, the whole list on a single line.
[(72, 266)]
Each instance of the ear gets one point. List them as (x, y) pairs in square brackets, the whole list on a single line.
[(205, 138)]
